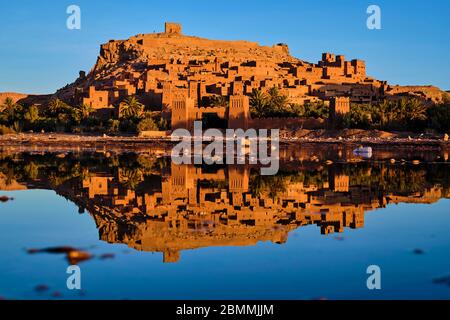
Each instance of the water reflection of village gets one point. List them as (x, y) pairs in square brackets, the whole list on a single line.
[(167, 208)]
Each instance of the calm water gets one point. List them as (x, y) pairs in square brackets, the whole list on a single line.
[(154, 230)]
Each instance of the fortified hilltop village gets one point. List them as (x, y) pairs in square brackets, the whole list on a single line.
[(186, 78)]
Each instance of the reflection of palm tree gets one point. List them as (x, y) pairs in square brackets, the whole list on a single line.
[(9, 177), (256, 186), (147, 164), (130, 108), (113, 162), (85, 174), (31, 170), (130, 178), (270, 185), (65, 171), (277, 186)]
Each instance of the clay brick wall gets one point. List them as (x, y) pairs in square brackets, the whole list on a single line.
[(286, 123), (237, 88), (197, 113), (97, 99), (360, 67), (332, 72), (153, 134)]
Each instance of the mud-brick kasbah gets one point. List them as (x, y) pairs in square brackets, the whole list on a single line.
[(178, 74)]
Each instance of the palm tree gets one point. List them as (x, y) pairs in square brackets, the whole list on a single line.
[(401, 110), (218, 101), (277, 101), (383, 113), (8, 107), (258, 103), (298, 110), (415, 110), (57, 106), (31, 114), (316, 110), (147, 124), (131, 108), (85, 110)]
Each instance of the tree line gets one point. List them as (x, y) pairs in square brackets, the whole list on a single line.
[(58, 116), (401, 114), (132, 116)]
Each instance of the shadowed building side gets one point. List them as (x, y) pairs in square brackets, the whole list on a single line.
[(239, 112), (182, 107)]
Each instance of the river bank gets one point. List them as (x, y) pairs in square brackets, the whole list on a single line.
[(61, 142)]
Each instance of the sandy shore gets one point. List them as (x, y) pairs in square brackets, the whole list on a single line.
[(294, 151), (59, 142), (312, 136), (72, 142)]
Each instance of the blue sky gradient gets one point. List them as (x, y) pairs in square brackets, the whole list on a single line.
[(38, 54)]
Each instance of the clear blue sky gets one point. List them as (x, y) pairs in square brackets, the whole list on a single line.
[(38, 54)]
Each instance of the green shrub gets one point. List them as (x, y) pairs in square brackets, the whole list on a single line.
[(147, 124), (128, 125), (439, 117)]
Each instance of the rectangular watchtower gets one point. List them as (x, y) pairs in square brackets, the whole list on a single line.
[(181, 108), (239, 112), (173, 28)]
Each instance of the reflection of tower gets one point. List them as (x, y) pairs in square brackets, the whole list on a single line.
[(238, 179), (328, 228), (171, 256), (280, 238), (181, 109), (353, 217), (180, 184), (238, 112), (339, 182), (359, 220)]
